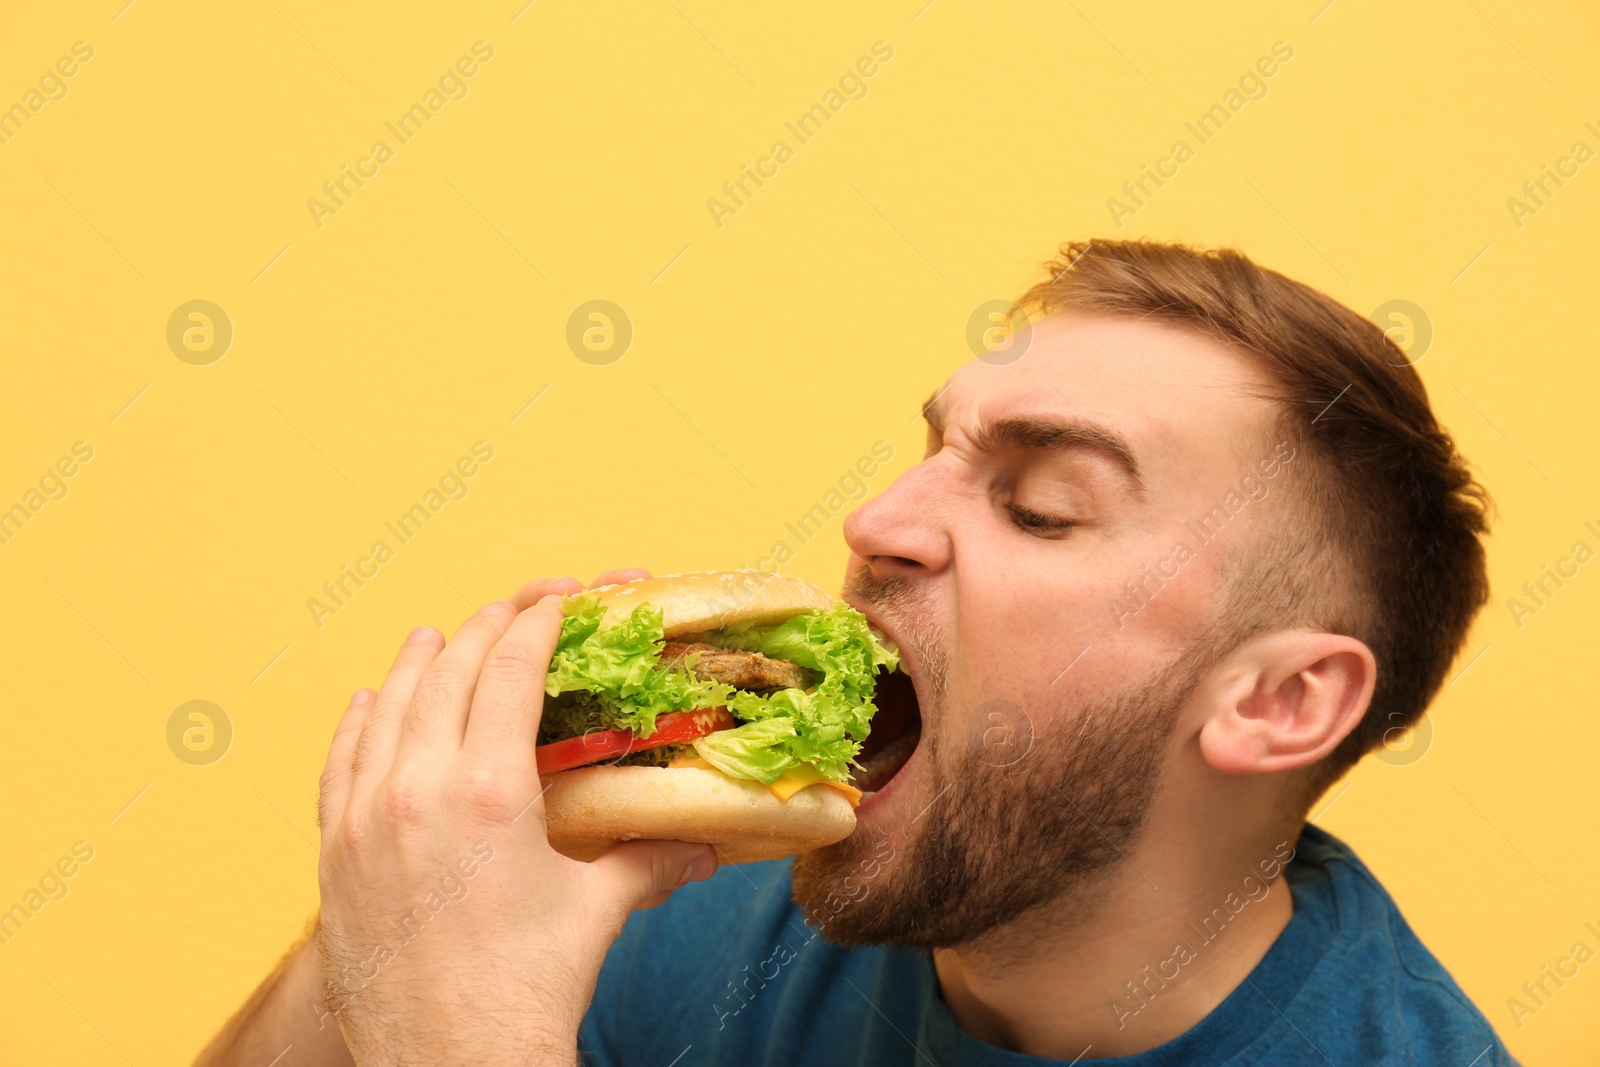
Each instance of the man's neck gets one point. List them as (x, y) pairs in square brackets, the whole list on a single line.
[(1138, 965)]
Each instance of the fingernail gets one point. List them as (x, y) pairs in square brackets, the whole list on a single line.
[(700, 868), (362, 697), (421, 633), (550, 598), (499, 607)]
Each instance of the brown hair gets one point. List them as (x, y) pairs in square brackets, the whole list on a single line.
[(1391, 554)]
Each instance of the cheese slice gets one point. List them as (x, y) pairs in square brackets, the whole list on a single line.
[(789, 782), (795, 779)]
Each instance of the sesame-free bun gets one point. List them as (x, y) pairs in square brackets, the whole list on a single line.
[(589, 809), (696, 601)]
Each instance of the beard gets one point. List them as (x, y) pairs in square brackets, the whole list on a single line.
[(1009, 827)]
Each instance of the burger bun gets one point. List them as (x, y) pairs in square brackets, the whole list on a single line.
[(697, 601), (589, 809)]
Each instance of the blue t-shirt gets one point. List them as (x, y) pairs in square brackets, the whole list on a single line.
[(728, 972)]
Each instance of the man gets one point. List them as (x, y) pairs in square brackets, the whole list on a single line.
[(1174, 561)]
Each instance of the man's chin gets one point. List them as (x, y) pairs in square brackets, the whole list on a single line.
[(844, 889), (945, 859), (854, 891)]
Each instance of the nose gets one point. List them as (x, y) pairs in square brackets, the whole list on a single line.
[(902, 532)]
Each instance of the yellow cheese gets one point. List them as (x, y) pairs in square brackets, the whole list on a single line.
[(795, 779), (789, 782)]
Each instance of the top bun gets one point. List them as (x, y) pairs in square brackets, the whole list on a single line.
[(712, 600)]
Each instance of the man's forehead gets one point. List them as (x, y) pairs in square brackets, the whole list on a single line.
[(1150, 382)]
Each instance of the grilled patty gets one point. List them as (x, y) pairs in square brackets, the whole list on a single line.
[(742, 670)]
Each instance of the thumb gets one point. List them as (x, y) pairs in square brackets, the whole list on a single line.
[(633, 872)]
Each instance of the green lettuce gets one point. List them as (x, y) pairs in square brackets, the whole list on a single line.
[(756, 750), (821, 726), (621, 665), (830, 718)]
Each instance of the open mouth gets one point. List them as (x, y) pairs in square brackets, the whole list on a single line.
[(896, 729)]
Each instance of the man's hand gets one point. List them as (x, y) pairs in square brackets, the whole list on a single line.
[(451, 932)]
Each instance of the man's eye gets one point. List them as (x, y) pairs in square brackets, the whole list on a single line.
[(1037, 522)]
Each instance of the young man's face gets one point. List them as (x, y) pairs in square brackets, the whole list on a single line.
[(1029, 569)]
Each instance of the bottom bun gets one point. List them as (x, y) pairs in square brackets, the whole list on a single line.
[(592, 808)]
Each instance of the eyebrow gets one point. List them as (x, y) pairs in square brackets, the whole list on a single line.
[(1045, 433)]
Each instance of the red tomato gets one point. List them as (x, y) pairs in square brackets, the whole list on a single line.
[(673, 728)]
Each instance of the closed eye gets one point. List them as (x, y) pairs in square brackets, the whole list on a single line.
[(1037, 522)]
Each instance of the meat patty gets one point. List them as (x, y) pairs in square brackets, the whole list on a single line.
[(742, 670)]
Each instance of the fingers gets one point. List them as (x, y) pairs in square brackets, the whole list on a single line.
[(380, 732), (539, 588), (335, 786), (437, 713), (635, 873), (504, 721), (627, 574)]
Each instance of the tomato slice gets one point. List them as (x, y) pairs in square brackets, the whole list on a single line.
[(673, 728)]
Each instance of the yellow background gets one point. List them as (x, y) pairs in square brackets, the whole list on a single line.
[(432, 308)]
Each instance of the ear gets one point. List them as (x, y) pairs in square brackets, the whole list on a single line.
[(1285, 700)]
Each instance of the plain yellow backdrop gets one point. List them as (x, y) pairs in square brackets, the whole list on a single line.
[(769, 353)]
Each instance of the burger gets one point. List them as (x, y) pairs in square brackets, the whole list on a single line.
[(726, 707)]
